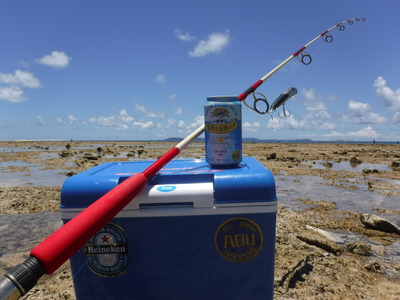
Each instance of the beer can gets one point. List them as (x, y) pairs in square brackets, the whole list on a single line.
[(223, 130)]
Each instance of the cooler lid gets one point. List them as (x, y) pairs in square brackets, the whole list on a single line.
[(250, 181)]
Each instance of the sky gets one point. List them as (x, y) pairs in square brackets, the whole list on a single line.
[(142, 70)]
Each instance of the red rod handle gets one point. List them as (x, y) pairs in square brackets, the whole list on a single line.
[(64, 242)]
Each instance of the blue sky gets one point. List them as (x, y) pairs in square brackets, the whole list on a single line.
[(140, 70)]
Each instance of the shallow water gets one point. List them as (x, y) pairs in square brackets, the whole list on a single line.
[(30, 149), (33, 176), (388, 254), (346, 166), (291, 188), (22, 232), (388, 180)]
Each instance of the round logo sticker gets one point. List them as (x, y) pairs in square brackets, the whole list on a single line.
[(166, 188), (239, 240), (107, 251)]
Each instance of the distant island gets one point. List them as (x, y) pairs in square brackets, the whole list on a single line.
[(246, 140)]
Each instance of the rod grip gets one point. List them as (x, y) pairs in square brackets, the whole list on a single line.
[(63, 243)]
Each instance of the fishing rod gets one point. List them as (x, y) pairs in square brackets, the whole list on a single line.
[(57, 248), (304, 58)]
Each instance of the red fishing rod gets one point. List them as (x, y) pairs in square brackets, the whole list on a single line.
[(50, 254)]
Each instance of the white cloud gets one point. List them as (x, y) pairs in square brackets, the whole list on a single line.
[(322, 125), (160, 78), (286, 123), (389, 97), (171, 97), (123, 115), (103, 121), (361, 113), (12, 94), (178, 110), (186, 37), (72, 119), (20, 78), (141, 125), (320, 120), (215, 43), (57, 59), (181, 124), (313, 100), (334, 134), (396, 117), (147, 113), (251, 127), (198, 121), (171, 123), (40, 122), (323, 115), (328, 126), (366, 132), (177, 124), (120, 121)]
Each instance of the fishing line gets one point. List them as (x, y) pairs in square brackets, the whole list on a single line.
[(287, 76), (73, 275), (328, 54), (297, 66)]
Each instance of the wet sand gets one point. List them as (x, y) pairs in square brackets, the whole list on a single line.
[(304, 269)]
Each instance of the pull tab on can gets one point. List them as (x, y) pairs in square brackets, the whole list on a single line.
[(223, 131)]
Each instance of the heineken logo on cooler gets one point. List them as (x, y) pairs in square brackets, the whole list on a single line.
[(115, 249), (107, 251)]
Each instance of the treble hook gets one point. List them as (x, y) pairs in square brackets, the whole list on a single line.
[(284, 113)]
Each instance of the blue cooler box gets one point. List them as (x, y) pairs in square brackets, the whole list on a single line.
[(193, 232)]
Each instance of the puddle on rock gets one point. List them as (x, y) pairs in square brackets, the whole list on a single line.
[(389, 254), (388, 180), (23, 232), (33, 176), (291, 188)]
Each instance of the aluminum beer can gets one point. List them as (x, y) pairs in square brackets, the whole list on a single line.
[(223, 130)]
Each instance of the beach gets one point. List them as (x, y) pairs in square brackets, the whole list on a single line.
[(323, 249)]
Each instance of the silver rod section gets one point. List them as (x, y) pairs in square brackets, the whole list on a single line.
[(8, 290)]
